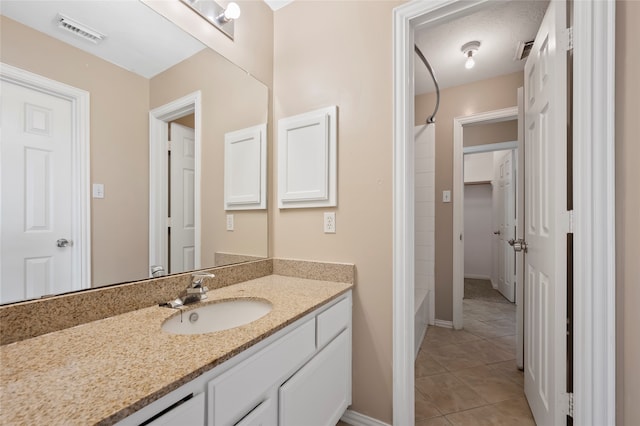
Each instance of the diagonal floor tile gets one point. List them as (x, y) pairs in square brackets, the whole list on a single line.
[(507, 413), (493, 386), (510, 370), (425, 407), (434, 421), (490, 329), (506, 343), (440, 336), (426, 365), (448, 393), (456, 357)]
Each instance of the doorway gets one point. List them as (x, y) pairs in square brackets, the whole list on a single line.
[(490, 217), (460, 124), (45, 163), (186, 248), (593, 34)]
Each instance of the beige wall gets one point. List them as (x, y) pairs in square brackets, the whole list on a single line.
[(252, 48), (231, 100), (488, 95), (627, 212), (339, 53), (482, 134), (119, 153)]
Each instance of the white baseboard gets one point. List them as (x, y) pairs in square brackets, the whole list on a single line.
[(444, 324), (477, 277), (356, 419), (494, 285)]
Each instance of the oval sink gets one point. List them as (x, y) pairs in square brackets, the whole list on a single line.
[(217, 316)]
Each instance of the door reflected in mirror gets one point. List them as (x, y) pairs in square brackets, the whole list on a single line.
[(122, 184)]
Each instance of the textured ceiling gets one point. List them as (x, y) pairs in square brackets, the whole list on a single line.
[(498, 26), (137, 38)]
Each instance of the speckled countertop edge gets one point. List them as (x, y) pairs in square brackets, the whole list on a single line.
[(102, 371)]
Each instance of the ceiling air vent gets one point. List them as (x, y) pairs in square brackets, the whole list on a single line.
[(522, 50), (83, 31)]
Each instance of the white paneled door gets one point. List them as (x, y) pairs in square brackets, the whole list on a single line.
[(182, 202), (36, 204), (505, 216), (546, 220)]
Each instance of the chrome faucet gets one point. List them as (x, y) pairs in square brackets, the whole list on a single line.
[(194, 293)]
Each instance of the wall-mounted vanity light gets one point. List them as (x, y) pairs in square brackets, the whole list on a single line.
[(221, 18), (469, 50)]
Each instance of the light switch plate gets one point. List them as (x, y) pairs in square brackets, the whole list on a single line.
[(230, 224), (98, 190), (446, 196)]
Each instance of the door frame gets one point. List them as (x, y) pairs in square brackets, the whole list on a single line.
[(488, 117), (80, 164), (158, 175), (594, 204)]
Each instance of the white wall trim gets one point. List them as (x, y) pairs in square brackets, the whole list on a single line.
[(443, 323), (80, 163), (594, 173), (158, 185), (477, 277), (594, 212), (490, 147), (458, 199), (356, 419), (405, 19)]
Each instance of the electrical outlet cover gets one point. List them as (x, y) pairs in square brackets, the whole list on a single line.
[(329, 222)]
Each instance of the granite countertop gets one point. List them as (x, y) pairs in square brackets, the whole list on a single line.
[(103, 371)]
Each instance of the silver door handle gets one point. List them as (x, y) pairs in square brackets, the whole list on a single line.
[(518, 245), (63, 242)]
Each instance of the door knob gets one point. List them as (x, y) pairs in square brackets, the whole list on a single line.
[(496, 232), (518, 245), (63, 242)]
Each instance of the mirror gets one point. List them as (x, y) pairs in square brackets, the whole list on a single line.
[(136, 78)]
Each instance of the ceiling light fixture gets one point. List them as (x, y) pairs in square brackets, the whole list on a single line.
[(221, 18), (469, 50), (230, 13)]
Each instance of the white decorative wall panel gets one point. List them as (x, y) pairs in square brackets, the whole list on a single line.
[(245, 169), (307, 159)]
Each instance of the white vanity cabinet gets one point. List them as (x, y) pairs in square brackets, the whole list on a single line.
[(303, 378), (299, 376), (190, 412), (236, 392), (319, 392)]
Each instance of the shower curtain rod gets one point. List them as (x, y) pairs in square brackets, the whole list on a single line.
[(432, 117)]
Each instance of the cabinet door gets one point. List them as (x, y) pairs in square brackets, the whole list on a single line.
[(237, 391), (320, 392), (190, 413)]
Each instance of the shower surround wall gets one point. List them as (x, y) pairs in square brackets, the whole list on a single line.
[(424, 229)]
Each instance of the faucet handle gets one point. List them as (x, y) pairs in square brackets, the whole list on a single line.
[(198, 277)]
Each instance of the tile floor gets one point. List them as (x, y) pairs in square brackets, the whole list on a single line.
[(469, 377)]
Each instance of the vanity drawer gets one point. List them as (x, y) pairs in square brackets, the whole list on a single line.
[(320, 392), (239, 390), (332, 321)]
